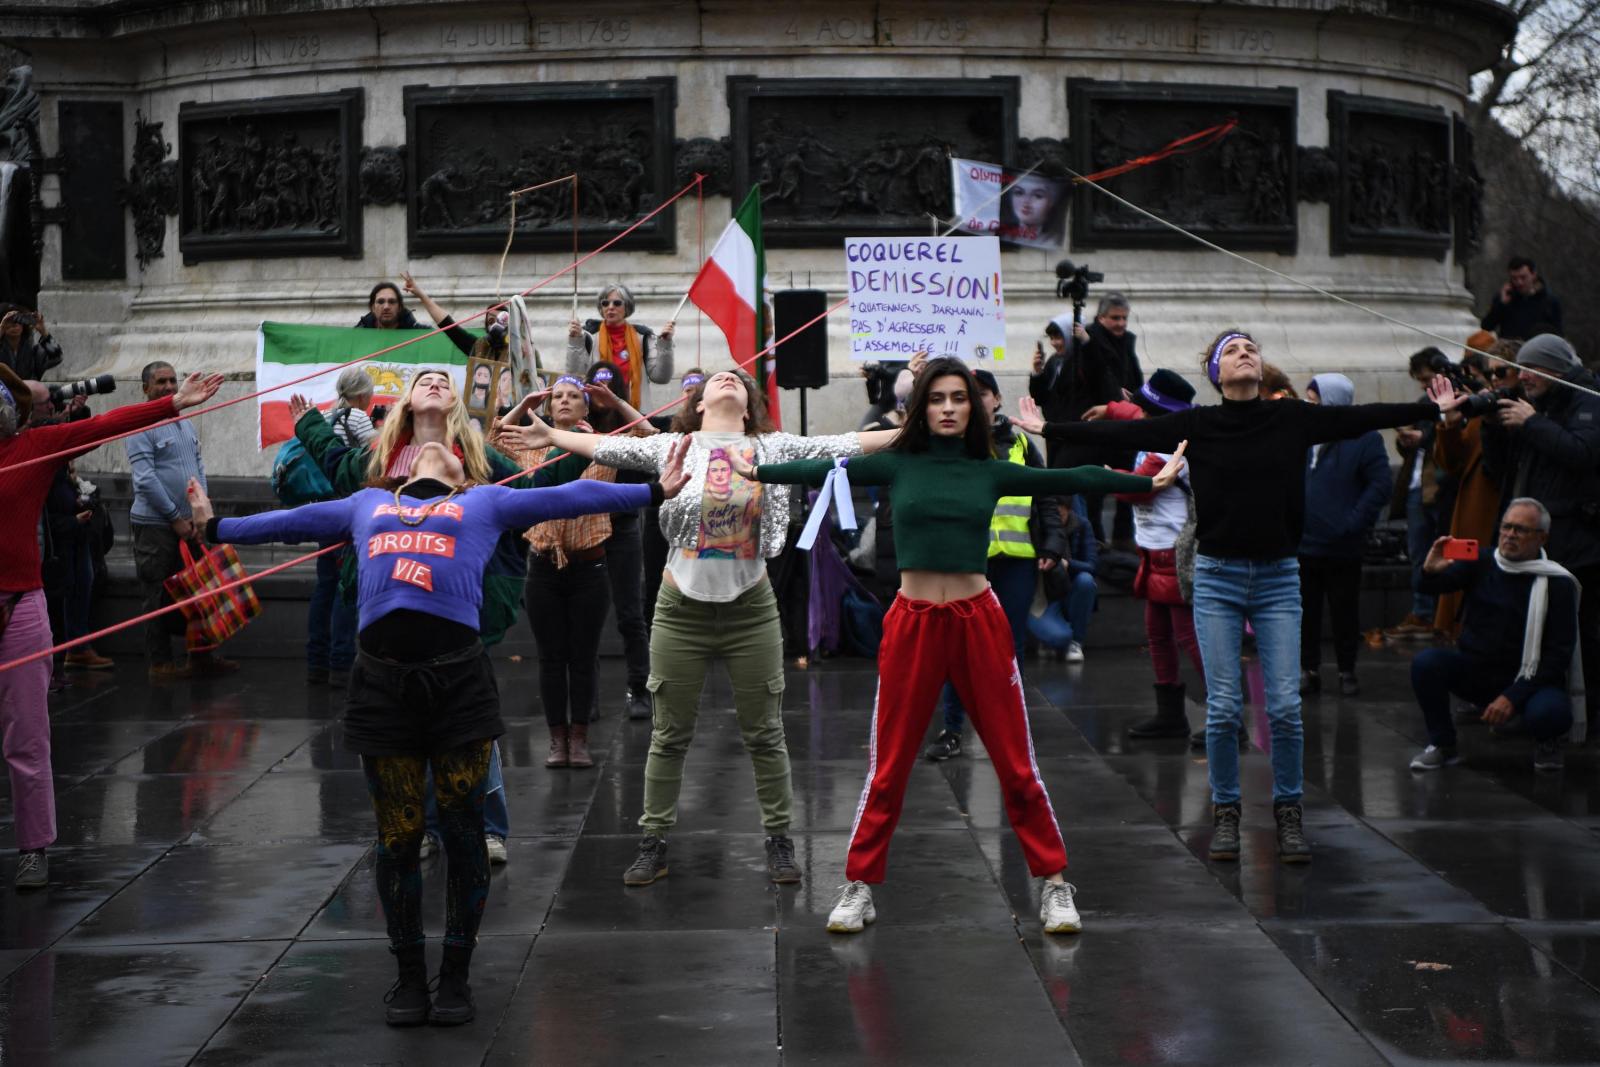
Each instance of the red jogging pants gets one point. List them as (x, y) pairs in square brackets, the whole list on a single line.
[(968, 643)]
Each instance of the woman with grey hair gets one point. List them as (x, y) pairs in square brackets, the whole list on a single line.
[(613, 339), (350, 421)]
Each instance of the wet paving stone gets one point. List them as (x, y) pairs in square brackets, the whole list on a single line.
[(322, 1004), (116, 1006), (221, 893), (891, 995), (690, 997), (212, 896), (1450, 993)]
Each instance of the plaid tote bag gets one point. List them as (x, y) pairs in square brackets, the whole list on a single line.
[(212, 619)]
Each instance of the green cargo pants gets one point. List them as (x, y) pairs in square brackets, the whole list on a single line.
[(687, 635)]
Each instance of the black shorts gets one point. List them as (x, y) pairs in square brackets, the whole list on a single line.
[(418, 709)]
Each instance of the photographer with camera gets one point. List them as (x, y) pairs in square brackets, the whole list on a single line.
[(25, 342), (24, 624), (1516, 652), (1546, 444), (1087, 367), (162, 460), (1458, 453)]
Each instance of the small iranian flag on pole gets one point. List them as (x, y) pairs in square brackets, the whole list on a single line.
[(730, 290)]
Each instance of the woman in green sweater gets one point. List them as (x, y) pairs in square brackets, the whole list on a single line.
[(946, 624)]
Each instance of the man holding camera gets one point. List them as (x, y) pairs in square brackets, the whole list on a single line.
[(162, 460), (1515, 656), (30, 455), (1546, 444), (1093, 365)]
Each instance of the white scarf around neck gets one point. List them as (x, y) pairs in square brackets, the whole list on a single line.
[(1543, 569)]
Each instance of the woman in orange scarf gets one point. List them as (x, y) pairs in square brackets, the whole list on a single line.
[(1458, 451), (611, 338)]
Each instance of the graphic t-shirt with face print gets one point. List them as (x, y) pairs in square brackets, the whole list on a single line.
[(726, 557)]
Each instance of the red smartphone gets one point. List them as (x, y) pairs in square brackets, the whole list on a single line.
[(1461, 548)]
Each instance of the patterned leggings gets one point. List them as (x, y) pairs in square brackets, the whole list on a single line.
[(397, 787)]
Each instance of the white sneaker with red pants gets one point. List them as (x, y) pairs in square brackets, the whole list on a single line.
[(967, 642)]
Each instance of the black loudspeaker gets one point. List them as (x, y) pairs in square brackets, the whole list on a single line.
[(803, 358)]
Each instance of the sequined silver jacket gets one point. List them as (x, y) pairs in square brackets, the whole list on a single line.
[(680, 516)]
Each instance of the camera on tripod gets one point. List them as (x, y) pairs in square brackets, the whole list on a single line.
[(1072, 281), (61, 395)]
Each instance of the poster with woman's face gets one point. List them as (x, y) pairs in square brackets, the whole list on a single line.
[(480, 386), (1023, 210), (505, 391), (730, 509)]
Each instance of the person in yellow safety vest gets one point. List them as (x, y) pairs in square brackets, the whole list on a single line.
[(1026, 537)]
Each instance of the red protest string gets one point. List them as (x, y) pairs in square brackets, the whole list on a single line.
[(278, 568), (68, 453), (1194, 142)]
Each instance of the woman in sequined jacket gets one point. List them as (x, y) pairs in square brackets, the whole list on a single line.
[(715, 600)]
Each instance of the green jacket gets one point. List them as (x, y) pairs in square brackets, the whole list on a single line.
[(346, 469)]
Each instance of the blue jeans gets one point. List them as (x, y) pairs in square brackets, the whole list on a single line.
[(1422, 526), (330, 622), (1265, 593), (496, 819), (1012, 579), (1080, 604), (1436, 673)]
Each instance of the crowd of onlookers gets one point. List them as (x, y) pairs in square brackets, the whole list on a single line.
[(1530, 436)]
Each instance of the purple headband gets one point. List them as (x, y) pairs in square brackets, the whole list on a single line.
[(1166, 403), (5, 394), (570, 380), (1214, 364), (692, 380), (603, 374)]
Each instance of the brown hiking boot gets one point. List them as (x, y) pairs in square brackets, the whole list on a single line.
[(168, 672), (578, 746), (1410, 628), (87, 659), (558, 748)]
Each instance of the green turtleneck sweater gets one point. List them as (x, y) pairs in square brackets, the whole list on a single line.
[(943, 500)]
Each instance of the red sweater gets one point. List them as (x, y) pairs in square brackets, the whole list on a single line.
[(22, 491)]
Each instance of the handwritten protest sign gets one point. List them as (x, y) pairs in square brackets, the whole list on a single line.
[(936, 293)]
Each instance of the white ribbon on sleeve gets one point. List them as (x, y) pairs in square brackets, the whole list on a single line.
[(836, 485)]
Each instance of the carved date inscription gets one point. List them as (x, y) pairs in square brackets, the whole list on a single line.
[(254, 49), (1180, 36), (536, 33), (881, 31)]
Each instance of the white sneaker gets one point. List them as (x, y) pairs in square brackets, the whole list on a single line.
[(1056, 909), (1074, 652), (430, 847), (497, 849), (853, 911)]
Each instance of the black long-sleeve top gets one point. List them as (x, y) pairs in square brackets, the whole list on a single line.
[(1247, 462)]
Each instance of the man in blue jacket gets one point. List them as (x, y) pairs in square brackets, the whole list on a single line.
[(1347, 484)]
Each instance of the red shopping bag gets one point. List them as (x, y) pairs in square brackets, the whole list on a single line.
[(212, 619)]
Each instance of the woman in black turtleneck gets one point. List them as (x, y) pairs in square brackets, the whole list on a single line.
[(1247, 469)]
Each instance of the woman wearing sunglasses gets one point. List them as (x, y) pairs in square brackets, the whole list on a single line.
[(636, 350), (1458, 452)]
